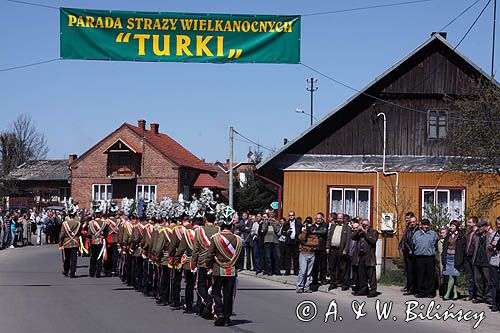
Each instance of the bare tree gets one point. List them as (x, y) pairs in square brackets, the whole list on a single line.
[(474, 136), (22, 142)]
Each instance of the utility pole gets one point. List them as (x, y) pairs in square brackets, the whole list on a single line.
[(231, 146), (493, 46), (312, 89)]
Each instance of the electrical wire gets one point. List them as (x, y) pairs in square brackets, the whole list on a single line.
[(33, 4), (364, 8), (389, 102), (459, 15), (255, 143), (28, 65), (456, 46)]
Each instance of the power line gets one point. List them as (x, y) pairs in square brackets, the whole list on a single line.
[(364, 8), (33, 4), (456, 46), (255, 143), (28, 65), (389, 102), (459, 15), (304, 15)]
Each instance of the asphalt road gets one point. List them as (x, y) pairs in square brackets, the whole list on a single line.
[(35, 297)]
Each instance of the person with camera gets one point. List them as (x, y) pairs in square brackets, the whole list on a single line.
[(270, 229), (319, 269), (365, 260), (308, 245)]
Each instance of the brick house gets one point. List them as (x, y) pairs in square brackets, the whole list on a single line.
[(135, 162)]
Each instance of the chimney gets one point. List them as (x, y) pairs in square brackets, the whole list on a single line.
[(154, 127), (440, 33), (141, 123), (227, 161), (285, 141), (72, 158)]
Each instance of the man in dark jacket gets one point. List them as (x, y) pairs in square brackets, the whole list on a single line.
[(406, 246), (319, 269), (243, 229), (481, 259), (291, 230), (364, 257), (337, 249)]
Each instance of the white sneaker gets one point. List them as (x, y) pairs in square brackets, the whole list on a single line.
[(11, 247)]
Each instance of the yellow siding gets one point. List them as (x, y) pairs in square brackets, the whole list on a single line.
[(307, 192)]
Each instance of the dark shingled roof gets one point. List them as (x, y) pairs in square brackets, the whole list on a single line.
[(41, 170)]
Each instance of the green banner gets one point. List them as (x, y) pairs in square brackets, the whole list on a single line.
[(147, 36)]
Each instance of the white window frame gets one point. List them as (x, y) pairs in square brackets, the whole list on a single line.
[(356, 199), (146, 193), (448, 196), (108, 191)]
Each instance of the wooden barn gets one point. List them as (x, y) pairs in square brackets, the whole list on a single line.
[(337, 164)]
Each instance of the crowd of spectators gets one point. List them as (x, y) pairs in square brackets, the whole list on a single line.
[(21, 228)]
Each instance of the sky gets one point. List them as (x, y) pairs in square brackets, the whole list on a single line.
[(75, 103)]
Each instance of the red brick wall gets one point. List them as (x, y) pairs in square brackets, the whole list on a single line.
[(91, 169)]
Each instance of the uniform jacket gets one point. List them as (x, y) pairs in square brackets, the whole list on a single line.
[(97, 231), (177, 235), (202, 241), (345, 239), (70, 233), (223, 263), (113, 231), (160, 249), (185, 248)]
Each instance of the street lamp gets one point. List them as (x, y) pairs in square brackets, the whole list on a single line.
[(307, 113)]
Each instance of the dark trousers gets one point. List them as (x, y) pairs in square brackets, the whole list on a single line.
[(129, 263), (355, 277), (272, 254), (137, 275), (145, 275), (95, 265), (481, 279), (367, 277), (291, 256), (190, 279), (257, 255), (411, 281), (176, 288), (471, 284), (337, 267), (111, 262), (164, 284), (70, 257), (494, 282), (319, 268), (426, 273), (223, 292), (203, 284)]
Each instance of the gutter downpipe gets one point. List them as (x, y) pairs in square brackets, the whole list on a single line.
[(383, 160), (278, 187)]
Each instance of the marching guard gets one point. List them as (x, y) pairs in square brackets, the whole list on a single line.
[(97, 233), (223, 253), (111, 261), (183, 256), (178, 234), (69, 242), (160, 257), (203, 273)]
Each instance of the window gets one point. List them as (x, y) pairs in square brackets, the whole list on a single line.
[(146, 192), (102, 192), (452, 201), (437, 124), (64, 193), (351, 201)]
